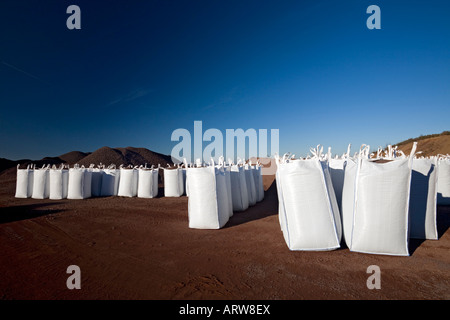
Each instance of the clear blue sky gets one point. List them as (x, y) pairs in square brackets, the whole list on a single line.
[(137, 70)]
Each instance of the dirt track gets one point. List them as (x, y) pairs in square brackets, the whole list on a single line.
[(143, 249)]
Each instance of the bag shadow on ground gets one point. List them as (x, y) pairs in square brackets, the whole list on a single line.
[(265, 208), (442, 220), (25, 212)]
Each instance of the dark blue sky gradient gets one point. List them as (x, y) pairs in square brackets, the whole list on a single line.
[(137, 70)]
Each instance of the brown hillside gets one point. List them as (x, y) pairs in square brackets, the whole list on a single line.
[(125, 156), (431, 145), (104, 155), (73, 157)]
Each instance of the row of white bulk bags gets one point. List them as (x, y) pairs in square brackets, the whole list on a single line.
[(53, 183), (81, 183), (24, 182), (136, 182), (147, 183), (308, 212), (375, 204), (173, 182), (208, 203), (443, 187), (75, 183), (243, 188)]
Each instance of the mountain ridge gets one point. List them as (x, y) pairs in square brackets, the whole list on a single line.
[(428, 145), (104, 155)]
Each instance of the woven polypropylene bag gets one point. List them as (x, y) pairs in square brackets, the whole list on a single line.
[(148, 183), (24, 182), (58, 179), (76, 183), (239, 190), (443, 187), (173, 182), (308, 216), (422, 203), (380, 214), (208, 204), (41, 186), (128, 182)]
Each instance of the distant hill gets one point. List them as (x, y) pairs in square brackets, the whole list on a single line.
[(430, 145), (105, 155), (433, 144), (125, 156), (73, 156)]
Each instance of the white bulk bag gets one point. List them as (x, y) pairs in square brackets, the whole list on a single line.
[(337, 178), (58, 180), (258, 179), (443, 187), (250, 181), (128, 182), (422, 202), (87, 188), (332, 198), (65, 182), (96, 183), (24, 182), (239, 190), (227, 173), (136, 181), (148, 183), (336, 167), (281, 209), (381, 203), (41, 186), (110, 181), (186, 185), (208, 199), (255, 181), (348, 198), (76, 185), (184, 181), (173, 182), (309, 217)]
